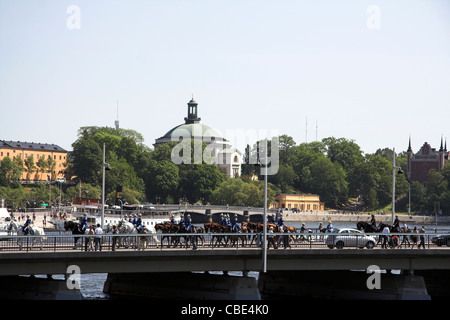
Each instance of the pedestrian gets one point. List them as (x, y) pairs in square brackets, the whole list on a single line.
[(414, 237), (271, 240), (405, 237), (98, 239), (329, 226), (422, 238), (114, 238), (385, 237), (88, 243), (286, 238)]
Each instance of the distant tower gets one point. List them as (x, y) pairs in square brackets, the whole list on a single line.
[(116, 123), (409, 157), (442, 153)]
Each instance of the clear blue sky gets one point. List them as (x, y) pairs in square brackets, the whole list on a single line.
[(253, 64)]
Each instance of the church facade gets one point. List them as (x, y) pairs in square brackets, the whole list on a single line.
[(427, 158), (225, 156)]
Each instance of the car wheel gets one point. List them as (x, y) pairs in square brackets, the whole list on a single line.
[(370, 245), (339, 244)]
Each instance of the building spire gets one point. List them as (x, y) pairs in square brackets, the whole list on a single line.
[(409, 146), (442, 145)]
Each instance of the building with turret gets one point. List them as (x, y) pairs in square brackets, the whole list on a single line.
[(427, 158), (226, 157)]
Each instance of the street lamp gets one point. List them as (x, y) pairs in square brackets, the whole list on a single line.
[(105, 167), (264, 243), (393, 182)]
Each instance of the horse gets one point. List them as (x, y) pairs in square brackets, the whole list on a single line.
[(37, 232), (74, 226), (168, 227), (367, 227), (125, 227), (216, 229)]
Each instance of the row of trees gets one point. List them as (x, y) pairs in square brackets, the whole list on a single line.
[(335, 168), (11, 170), (338, 171)]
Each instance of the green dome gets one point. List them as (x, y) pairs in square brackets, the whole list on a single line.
[(194, 130)]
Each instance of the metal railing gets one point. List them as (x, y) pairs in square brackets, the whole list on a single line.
[(212, 241)]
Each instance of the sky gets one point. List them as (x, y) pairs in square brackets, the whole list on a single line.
[(376, 72)]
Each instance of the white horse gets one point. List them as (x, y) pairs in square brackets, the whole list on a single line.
[(18, 229), (126, 227)]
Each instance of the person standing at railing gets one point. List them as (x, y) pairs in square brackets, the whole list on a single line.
[(98, 239), (330, 227), (422, 238), (114, 238), (385, 231)]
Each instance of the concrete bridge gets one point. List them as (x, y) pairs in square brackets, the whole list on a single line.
[(183, 272)]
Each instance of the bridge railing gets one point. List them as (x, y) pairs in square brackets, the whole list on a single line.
[(216, 241)]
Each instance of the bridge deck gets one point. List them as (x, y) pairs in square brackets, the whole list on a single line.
[(230, 259)]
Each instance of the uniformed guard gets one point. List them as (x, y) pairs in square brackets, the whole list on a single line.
[(172, 220), (234, 225), (83, 223), (139, 223), (221, 220), (280, 221), (27, 226), (188, 223), (182, 221)]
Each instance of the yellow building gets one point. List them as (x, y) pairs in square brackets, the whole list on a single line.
[(301, 202), (37, 152)]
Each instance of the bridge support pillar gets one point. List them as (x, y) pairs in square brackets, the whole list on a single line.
[(182, 285), (340, 285), (32, 288)]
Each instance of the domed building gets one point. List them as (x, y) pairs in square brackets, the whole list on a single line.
[(226, 157)]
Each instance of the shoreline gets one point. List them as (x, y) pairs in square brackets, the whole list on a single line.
[(339, 217)]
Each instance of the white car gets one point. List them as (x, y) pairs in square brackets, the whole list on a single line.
[(347, 237)]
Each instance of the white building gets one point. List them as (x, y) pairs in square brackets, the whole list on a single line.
[(225, 156)]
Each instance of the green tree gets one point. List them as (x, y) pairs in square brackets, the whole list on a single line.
[(161, 180), (30, 166)]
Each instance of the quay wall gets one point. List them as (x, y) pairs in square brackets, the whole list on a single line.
[(338, 217)]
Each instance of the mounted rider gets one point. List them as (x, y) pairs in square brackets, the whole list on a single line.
[(373, 222), (83, 224), (234, 225), (188, 223), (280, 223), (172, 219), (139, 224), (182, 222), (222, 220), (27, 226)]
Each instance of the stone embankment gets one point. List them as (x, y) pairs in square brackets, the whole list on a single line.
[(325, 216)]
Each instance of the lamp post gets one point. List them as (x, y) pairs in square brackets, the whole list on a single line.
[(105, 167), (265, 212), (393, 183)]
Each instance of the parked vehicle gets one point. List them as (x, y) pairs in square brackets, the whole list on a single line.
[(442, 240), (347, 237)]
